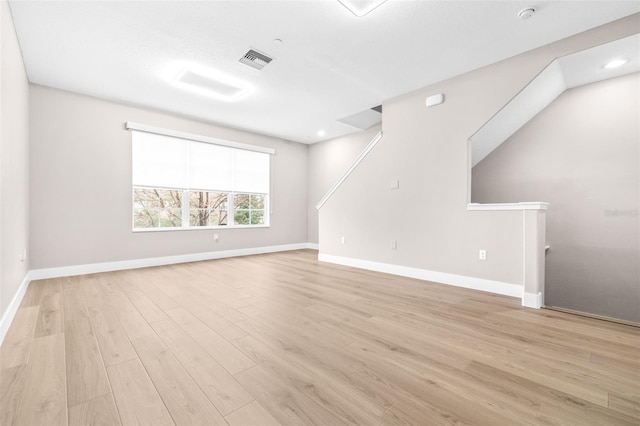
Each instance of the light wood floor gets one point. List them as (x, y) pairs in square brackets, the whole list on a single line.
[(283, 339)]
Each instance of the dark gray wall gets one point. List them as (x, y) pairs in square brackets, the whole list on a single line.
[(581, 154)]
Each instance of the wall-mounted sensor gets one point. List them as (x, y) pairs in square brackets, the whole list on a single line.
[(526, 13), (435, 100)]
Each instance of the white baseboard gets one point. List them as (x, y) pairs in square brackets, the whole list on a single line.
[(532, 300), (498, 287), (92, 268), (313, 246), (12, 309)]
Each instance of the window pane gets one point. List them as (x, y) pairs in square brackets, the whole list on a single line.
[(157, 208), (145, 218), (241, 217), (205, 208), (257, 201), (241, 201), (257, 217)]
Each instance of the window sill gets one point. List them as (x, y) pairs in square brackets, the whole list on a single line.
[(199, 228)]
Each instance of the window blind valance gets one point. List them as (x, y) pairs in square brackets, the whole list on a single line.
[(193, 137)]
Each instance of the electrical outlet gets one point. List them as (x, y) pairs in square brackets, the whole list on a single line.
[(482, 255), (395, 184), (341, 240), (215, 237)]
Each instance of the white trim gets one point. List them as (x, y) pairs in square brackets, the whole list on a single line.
[(313, 246), (498, 287), (536, 205), (12, 309), (524, 254), (92, 268), (532, 300), (346, 174), (199, 228), (193, 137)]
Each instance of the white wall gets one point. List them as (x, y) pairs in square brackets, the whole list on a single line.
[(14, 166), (580, 154), (81, 185), (426, 149), (328, 161)]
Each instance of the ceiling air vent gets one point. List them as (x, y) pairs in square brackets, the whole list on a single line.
[(255, 59)]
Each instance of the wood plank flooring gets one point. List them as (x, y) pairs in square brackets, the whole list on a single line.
[(283, 339)]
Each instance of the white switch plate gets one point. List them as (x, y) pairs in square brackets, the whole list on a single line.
[(482, 255), (395, 184), (394, 245), (341, 240), (215, 237)]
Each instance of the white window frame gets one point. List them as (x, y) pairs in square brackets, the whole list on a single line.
[(185, 212)]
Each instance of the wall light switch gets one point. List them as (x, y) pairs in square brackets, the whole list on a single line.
[(215, 237), (395, 184), (394, 245), (341, 240), (482, 255)]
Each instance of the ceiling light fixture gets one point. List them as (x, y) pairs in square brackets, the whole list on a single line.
[(321, 133), (208, 82), (361, 7), (615, 63)]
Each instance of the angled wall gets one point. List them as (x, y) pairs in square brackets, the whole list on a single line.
[(425, 149)]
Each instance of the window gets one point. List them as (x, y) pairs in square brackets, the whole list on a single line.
[(180, 183)]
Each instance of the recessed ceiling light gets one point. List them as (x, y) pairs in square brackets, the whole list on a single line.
[(208, 82), (615, 63), (277, 41), (526, 13), (321, 133), (361, 7)]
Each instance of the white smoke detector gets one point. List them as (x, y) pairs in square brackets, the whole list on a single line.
[(526, 13)]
